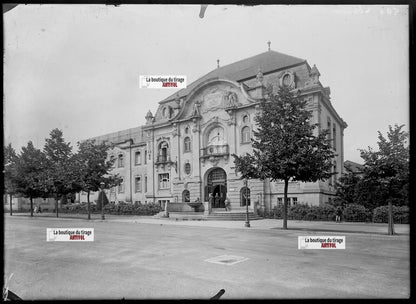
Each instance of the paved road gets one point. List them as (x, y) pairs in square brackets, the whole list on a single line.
[(167, 260)]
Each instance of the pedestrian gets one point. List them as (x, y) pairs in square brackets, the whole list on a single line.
[(36, 209), (40, 209), (338, 214), (227, 204)]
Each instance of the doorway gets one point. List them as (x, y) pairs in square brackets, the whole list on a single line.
[(217, 186)]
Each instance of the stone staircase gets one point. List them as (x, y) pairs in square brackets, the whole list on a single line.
[(216, 215), (234, 215)]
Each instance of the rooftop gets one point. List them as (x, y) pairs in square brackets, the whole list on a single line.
[(245, 69)]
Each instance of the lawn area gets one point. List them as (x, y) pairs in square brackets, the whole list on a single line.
[(162, 260)]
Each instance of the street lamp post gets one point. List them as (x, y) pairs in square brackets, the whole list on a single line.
[(102, 200), (247, 218)]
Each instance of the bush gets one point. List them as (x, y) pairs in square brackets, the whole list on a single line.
[(356, 213), (298, 212), (400, 214)]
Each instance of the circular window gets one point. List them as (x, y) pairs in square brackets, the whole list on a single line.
[(245, 119), (188, 168), (287, 80)]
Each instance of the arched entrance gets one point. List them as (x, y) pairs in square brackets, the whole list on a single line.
[(216, 184)]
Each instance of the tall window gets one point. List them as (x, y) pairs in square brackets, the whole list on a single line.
[(120, 161), (188, 168), (138, 184), (186, 196), (164, 181), (121, 187), (187, 144), (145, 156), (334, 136), (145, 183), (137, 158), (244, 196), (245, 135), (163, 152)]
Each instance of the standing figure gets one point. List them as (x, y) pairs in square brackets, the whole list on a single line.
[(210, 200), (227, 204), (338, 214)]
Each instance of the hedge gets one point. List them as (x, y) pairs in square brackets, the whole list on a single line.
[(400, 214), (111, 208), (356, 213)]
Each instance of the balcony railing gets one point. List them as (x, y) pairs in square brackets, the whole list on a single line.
[(161, 159), (215, 150)]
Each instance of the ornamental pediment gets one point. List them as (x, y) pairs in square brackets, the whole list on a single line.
[(212, 96)]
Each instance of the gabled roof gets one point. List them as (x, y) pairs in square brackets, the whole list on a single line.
[(353, 166), (245, 69)]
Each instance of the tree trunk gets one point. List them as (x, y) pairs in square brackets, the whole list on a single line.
[(56, 205), (31, 206), (11, 204), (391, 224), (88, 205), (285, 204)]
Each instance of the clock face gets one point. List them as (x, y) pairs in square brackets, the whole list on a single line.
[(216, 136)]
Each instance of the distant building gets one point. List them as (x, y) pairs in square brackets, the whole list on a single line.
[(352, 167), (22, 204), (183, 152)]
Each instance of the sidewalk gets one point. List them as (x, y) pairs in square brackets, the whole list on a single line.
[(263, 224)]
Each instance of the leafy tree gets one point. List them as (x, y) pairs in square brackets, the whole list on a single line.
[(93, 167), (10, 159), (346, 189), (30, 178), (61, 171), (285, 147), (389, 167)]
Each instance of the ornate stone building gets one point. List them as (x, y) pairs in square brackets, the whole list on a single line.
[(183, 152)]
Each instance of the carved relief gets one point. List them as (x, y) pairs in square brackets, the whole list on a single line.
[(230, 99)]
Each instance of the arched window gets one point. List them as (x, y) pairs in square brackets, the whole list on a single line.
[(245, 119), (244, 196), (187, 144), (120, 161), (113, 160), (163, 152), (245, 135), (186, 196)]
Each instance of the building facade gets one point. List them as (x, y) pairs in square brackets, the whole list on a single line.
[(183, 152)]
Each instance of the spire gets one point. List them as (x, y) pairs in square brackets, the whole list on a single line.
[(268, 42)]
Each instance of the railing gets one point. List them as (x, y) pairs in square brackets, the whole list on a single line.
[(163, 159), (215, 150)]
